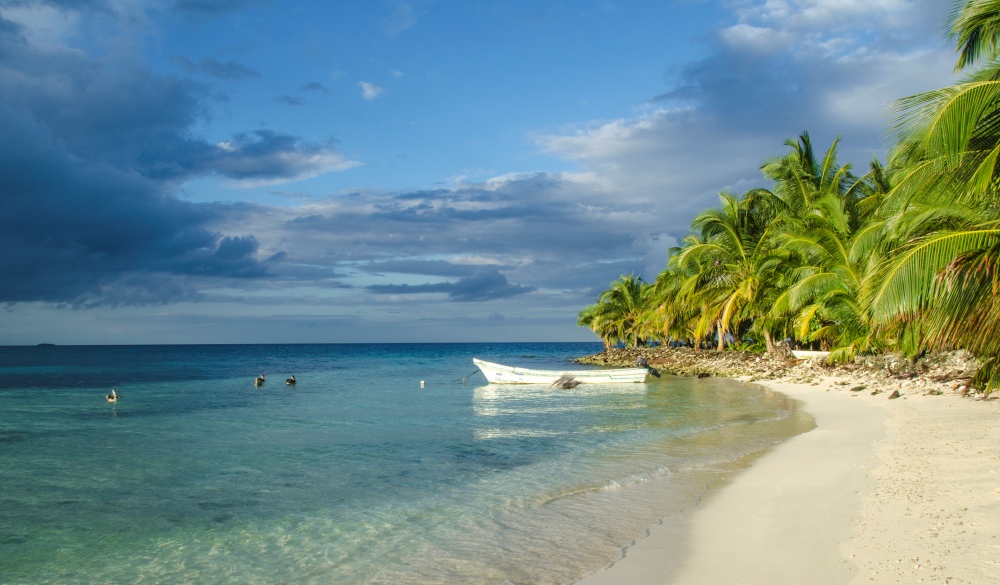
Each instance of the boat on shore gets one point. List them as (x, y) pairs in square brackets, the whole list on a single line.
[(803, 354), (501, 374)]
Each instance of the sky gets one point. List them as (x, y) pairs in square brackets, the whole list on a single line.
[(252, 171)]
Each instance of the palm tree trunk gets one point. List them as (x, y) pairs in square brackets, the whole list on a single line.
[(769, 342), (722, 339)]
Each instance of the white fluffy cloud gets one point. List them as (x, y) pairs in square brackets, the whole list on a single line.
[(829, 67), (369, 90)]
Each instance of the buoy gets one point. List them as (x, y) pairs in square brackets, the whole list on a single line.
[(421, 383)]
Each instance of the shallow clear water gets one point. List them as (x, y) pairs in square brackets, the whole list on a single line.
[(354, 475)]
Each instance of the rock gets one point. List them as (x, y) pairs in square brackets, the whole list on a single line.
[(895, 394), (888, 371), (933, 392), (858, 388)]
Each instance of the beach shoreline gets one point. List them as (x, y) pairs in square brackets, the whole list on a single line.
[(903, 490)]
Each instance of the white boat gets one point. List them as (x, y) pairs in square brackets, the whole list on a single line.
[(500, 374), (808, 355)]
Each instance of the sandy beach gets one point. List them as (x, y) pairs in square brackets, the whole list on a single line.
[(903, 490)]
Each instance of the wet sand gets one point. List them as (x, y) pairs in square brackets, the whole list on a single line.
[(881, 491)]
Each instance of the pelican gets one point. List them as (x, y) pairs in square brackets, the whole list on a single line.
[(566, 382), (259, 381), (290, 381), (112, 397)]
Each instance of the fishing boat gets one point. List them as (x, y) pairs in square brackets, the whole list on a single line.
[(803, 354), (500, 374)]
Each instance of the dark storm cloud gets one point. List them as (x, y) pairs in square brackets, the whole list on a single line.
[(560, 236), (71, 231), (88, 158), (230, 70), (485, 286), (232, 257), (137, 121), (260, 155)]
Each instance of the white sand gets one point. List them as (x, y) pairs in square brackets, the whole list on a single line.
[(882, 491)]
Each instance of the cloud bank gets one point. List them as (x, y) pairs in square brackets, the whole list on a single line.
[(94, 150)]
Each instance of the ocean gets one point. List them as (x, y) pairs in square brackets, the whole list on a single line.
[(358, 473)]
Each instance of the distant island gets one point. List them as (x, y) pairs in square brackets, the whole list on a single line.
[(46, 345)]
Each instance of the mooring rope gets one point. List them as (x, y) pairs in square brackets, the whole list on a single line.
[(464, 378)]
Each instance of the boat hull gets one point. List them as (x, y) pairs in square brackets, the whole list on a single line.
[(500, 374), (808, 355)]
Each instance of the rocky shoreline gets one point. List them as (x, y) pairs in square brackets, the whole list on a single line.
[(938, 373)]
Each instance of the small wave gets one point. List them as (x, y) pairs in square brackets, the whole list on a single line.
[(635, 479), (613, 485), (515, 433), (782, 414)]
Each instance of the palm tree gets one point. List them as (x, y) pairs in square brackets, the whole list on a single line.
[(731, 266), (975, 25), (835, 243), (668, 313), (618, 314), (940, 282)]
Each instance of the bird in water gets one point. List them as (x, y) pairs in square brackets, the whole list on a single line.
[(290, 381), (565, 382), (259, 381), (112, 397)]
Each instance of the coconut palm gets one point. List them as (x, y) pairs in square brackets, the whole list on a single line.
[(835, 243), (668, 312), (618, 314), (800, 178), (975, 26), (731, 266), (936, 289)]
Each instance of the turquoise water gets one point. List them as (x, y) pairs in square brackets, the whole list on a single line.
[(355, 475)]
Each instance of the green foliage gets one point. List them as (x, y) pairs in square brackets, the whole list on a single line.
[(903, 258), (618, 315)]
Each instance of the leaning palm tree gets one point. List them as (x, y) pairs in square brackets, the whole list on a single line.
[(975, 26), (618, 314), (669, 312), (731, 267), (800, 178), (835, 244), (833, 260), (940, 281), (592, 318)]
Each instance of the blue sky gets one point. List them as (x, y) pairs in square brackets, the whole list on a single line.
[(248, 171)]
